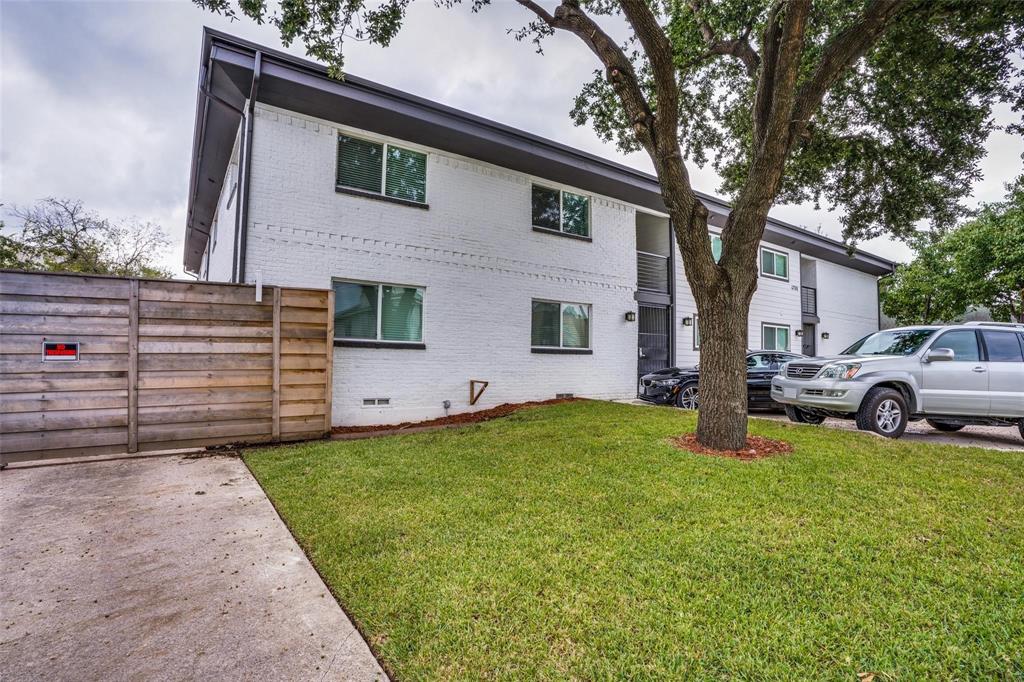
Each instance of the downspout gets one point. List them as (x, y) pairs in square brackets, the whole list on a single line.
[(242, 215)]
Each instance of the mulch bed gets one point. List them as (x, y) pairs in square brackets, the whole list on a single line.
[(756, 447), (502, 410)]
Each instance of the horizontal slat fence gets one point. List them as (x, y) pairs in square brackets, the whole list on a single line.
[(163, 364)]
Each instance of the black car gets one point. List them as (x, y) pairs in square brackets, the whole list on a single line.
[(678, 385)]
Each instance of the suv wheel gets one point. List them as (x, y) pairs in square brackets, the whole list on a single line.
[(883, 411), (687, 398), (800, 416), (944, 426)]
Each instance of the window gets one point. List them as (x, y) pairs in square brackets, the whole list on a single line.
[(716, 247), (382, 169), (378, 312), (963, 342), (560, 325), (696, 333), (1002, 347), (774, 337), (774, 264), (553, 209)]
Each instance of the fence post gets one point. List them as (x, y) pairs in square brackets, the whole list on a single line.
[(133, 366), (329, 372), (277, 365)]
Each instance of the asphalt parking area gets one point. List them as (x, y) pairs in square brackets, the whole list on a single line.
[(162, 568), (992, 437)]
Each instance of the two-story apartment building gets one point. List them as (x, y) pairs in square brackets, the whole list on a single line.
[(461, 249)]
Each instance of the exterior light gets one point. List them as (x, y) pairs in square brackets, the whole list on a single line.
[(630, 316), (798, 332), (824, 335), (687, 321)]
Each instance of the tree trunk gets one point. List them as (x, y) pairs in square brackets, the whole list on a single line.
[(722, 292), (722, 415)]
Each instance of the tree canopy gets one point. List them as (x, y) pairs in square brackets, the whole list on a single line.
[(977, 265), (61, 235)]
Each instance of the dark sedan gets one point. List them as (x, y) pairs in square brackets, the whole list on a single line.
[(678, 385)]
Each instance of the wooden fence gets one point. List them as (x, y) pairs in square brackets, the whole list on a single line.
[(162, 364)]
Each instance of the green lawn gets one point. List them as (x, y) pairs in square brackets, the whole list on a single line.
[(573, 541)]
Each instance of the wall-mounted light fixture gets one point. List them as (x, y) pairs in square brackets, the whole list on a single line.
[(798, 332), (687, 321), (630, 316), (824, 335)]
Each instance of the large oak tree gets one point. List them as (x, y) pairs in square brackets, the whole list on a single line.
[(879, 107)]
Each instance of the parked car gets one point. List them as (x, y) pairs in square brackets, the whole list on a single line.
[(951, 376), (678, 385)]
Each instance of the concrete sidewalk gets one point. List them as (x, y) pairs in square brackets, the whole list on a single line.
[(164, 568)]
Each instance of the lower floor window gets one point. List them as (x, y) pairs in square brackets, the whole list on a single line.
[(560, 325), (381, 312), (774, 337)]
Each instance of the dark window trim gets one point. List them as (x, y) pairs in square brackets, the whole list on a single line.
[(559, 233), (368, 343), (562, 351), (780, 252), (561, 212), (789, 337), (342, 189)]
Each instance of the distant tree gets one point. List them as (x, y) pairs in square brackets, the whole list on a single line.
[(881, 107), (61, 235), (977, 265)]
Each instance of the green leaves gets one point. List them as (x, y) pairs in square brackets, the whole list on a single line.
[(980, 264)]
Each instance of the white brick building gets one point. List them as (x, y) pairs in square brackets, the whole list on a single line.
[(468, 283)]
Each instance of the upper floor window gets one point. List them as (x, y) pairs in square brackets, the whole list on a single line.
[(554, 209), (378, 312), (774, 264), (382, 169), (560, 325)]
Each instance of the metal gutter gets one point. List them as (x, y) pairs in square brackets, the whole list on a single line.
[(242, 212)]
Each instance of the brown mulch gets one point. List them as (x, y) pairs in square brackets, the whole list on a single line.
[(502, 410), (756, 447)]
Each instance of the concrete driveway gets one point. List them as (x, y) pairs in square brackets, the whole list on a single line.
[(163, 568), (991, 437)]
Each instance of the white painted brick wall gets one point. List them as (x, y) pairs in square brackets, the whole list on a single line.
[(480, 262), (475, 253), (220, 249)]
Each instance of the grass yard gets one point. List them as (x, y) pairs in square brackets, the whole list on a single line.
[(573, 541)]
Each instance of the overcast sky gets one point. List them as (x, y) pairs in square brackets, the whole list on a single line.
[(97, 100)]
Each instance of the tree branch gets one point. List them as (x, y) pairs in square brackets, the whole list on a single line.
[(658, 134), (658, 49), (739, 48), (840, 53)]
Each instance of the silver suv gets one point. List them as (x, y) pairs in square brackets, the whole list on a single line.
[(951, 376)]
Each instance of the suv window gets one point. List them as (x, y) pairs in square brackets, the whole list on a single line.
[(1002, 346), (963, 342)]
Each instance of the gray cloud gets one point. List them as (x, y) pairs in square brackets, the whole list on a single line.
[(97, 99)]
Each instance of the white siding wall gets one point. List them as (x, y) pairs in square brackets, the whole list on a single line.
[(775, 302), (475, 253), (847, 306)]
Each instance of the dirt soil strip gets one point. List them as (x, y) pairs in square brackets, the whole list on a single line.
[(167, 568), (461, 419)]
